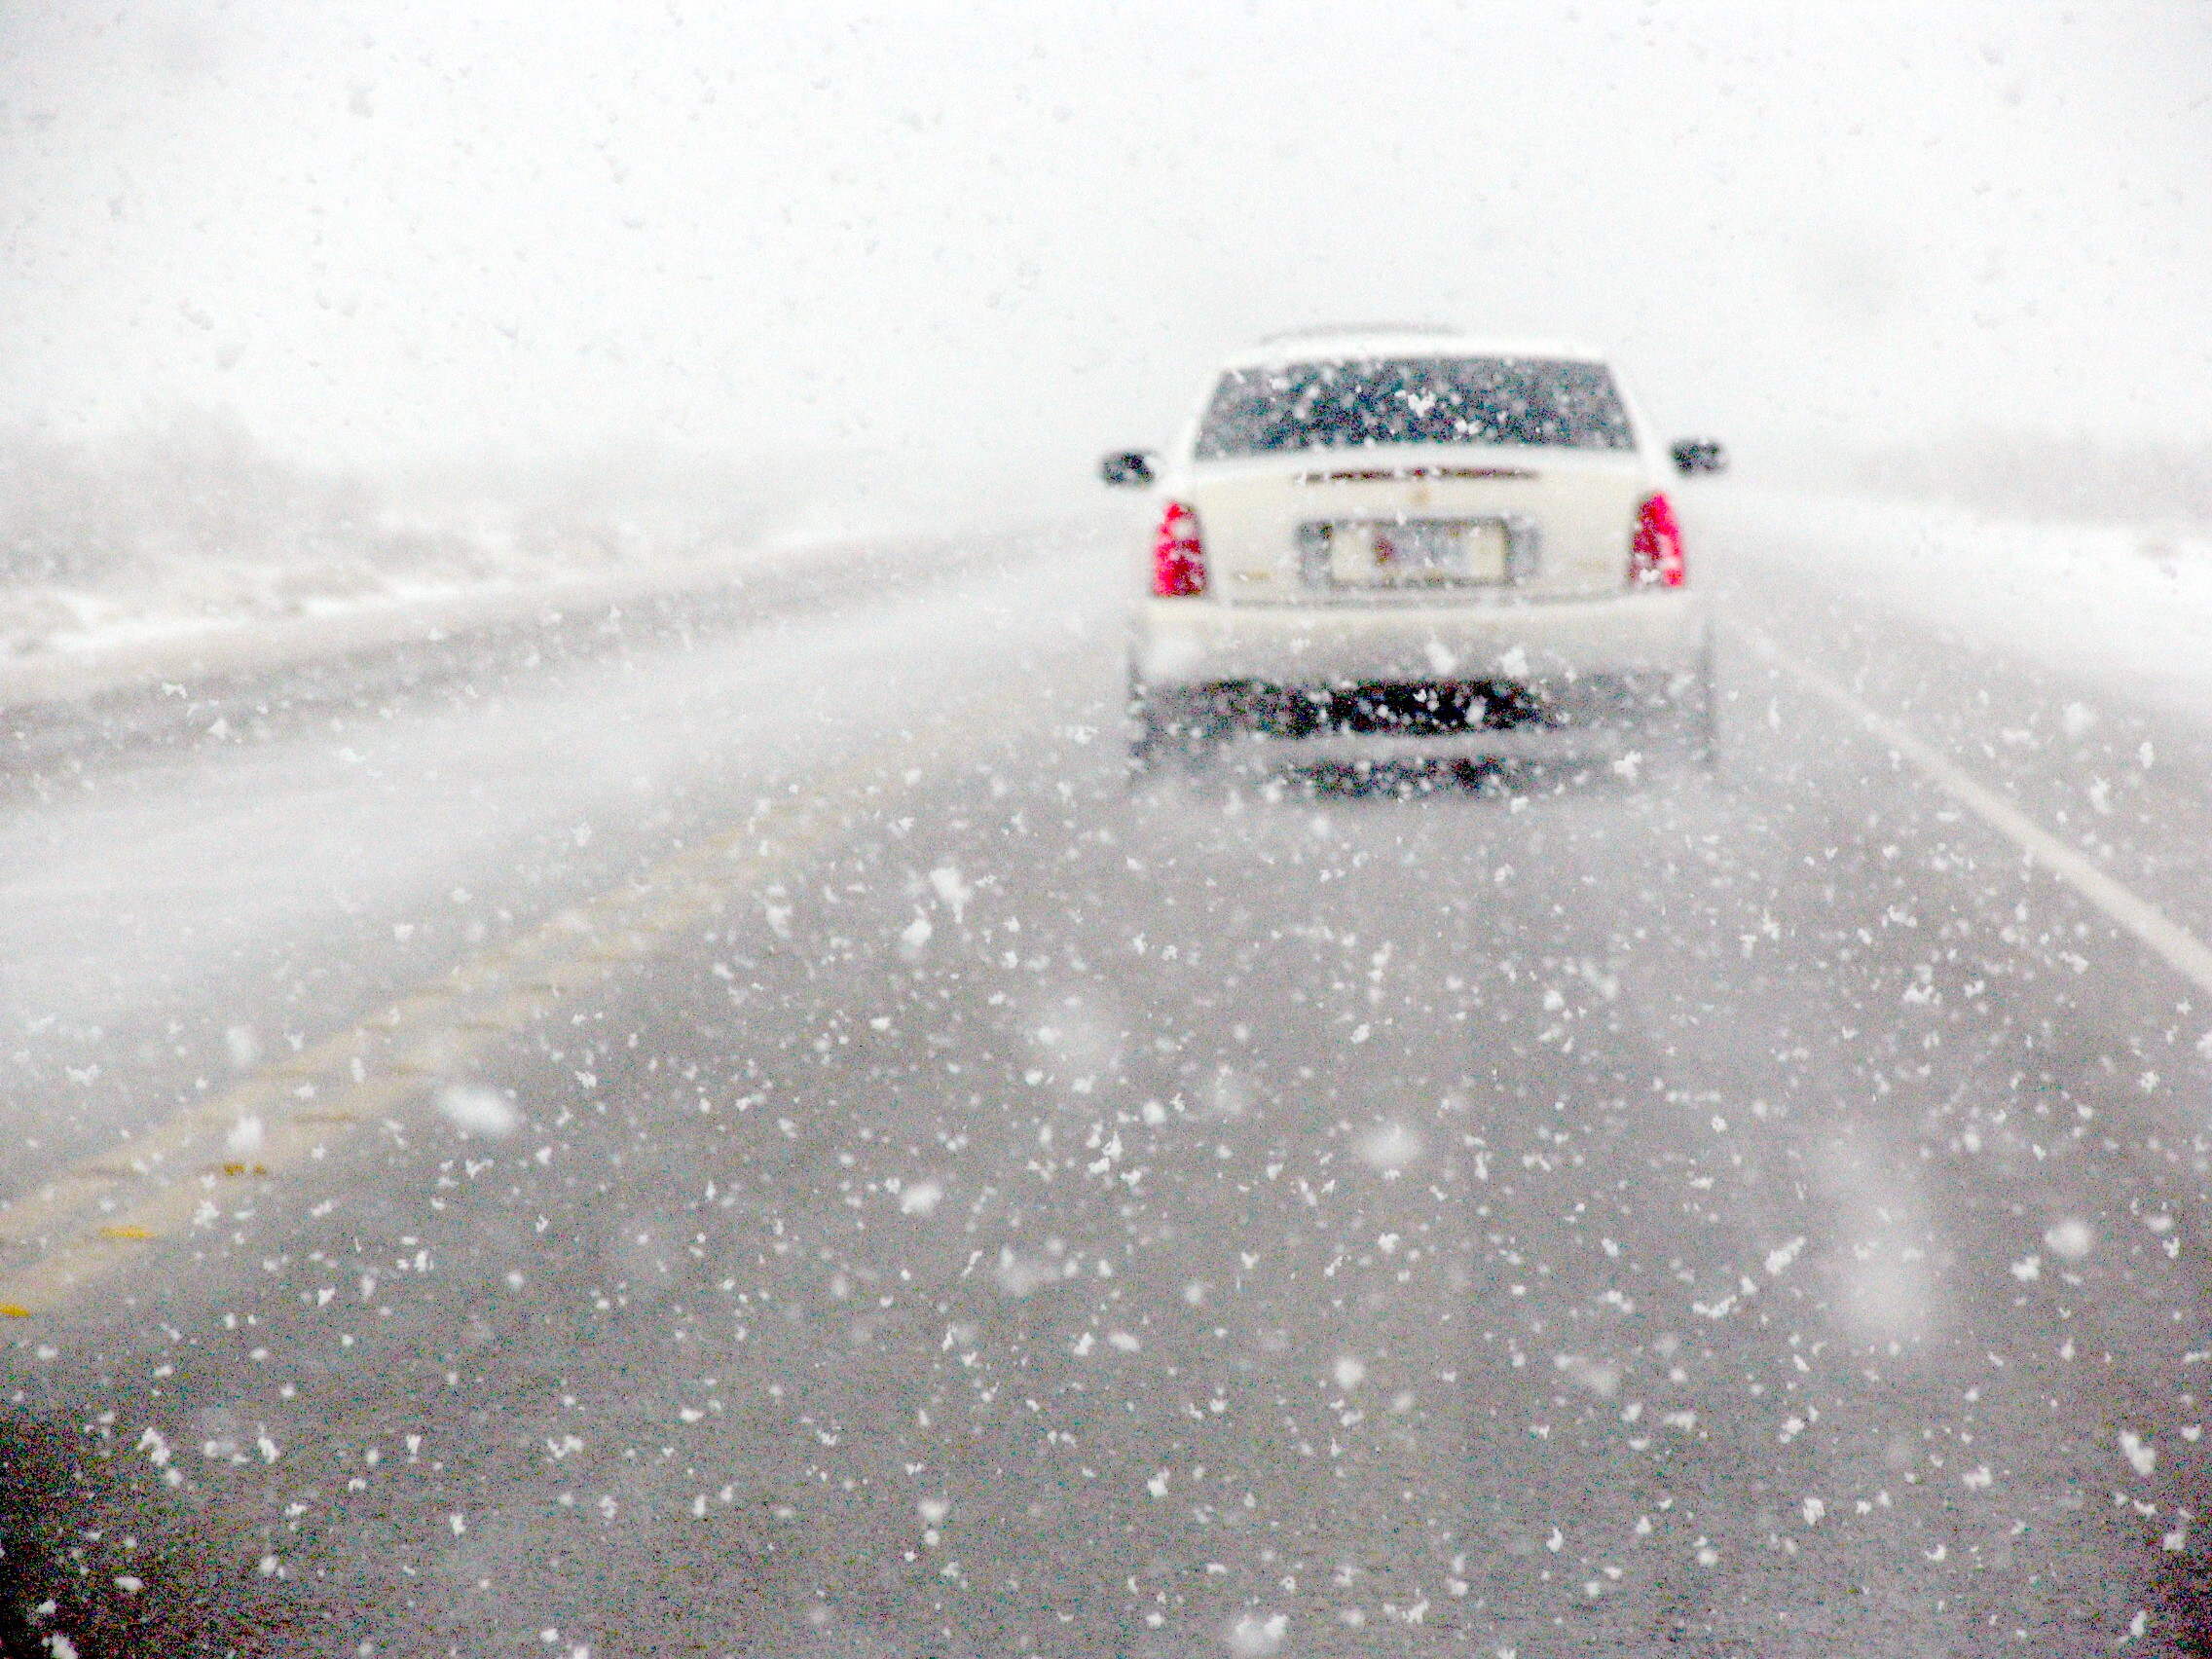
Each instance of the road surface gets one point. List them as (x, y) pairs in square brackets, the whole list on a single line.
[(729, 1129)]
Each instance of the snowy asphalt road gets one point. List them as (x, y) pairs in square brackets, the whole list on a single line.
[(986, 1211)]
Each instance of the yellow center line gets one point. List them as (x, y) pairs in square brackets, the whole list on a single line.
[(83, 1224)]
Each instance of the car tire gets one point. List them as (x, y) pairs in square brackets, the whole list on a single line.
[(1145, 735), (1152, 736), (1170, 729), (1684, 735)]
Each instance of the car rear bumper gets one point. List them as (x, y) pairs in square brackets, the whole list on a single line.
[(1191, 643)]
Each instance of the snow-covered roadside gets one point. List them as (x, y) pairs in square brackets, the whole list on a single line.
[(141, 644), (191, 598), (162, 645), (2123, 606), (187, 544)]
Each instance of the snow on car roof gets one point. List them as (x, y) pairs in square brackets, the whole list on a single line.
[(1326, 345)]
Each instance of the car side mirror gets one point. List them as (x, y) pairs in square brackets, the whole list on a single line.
[(1701, 455), (1131, 470)]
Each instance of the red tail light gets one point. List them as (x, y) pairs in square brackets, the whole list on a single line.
[(1655, 558), (1178, 557)]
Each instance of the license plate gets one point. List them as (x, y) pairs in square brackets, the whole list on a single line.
[(1410, 552)]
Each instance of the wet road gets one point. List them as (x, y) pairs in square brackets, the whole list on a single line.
[(823, 1169)]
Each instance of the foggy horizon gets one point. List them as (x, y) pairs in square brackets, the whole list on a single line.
[(386, 236)]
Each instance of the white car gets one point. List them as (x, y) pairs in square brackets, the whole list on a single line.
[(1393, 546)]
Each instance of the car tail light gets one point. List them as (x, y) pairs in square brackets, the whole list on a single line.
[(1655, 557), (1178, 557)]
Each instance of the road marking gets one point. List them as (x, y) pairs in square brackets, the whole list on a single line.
[(83, 1225), (2179, 949)]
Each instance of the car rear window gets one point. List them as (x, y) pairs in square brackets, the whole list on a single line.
[(1348, 403)]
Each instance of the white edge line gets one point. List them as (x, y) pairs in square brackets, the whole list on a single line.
[(2179, 949)]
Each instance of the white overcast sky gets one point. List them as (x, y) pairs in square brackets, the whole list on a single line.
[(395, 229)]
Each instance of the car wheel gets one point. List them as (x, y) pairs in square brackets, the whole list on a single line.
[(1686, 734), (1157, 739), (1170, 729), (1145, 734)]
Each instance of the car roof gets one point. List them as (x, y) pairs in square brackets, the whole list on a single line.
[(1335, 344)]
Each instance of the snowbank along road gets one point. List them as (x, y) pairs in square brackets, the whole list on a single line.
[(728, 1128)]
